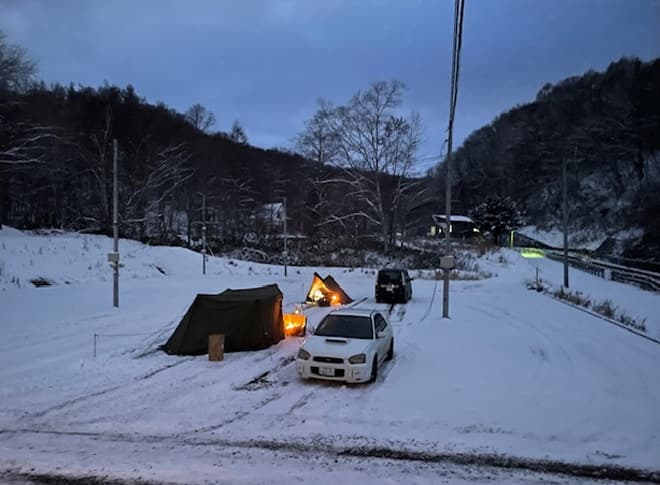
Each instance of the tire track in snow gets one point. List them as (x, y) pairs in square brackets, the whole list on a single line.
[(102, 392), (71, 402), (386, 451), (258, 383), (239, 415), (544, 365), (300, 403)]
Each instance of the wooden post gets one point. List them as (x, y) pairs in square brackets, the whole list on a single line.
[(115, 228), (216, 347)]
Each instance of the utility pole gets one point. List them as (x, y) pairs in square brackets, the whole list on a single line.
[(115, 229), (447, 262), (447, 270), (565, 217), (203, 234), (286, 236)]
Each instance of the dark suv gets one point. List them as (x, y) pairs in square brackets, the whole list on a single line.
[(393, 286)]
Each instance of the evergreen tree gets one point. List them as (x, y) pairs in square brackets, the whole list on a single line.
[(496, 216), (237, 134)]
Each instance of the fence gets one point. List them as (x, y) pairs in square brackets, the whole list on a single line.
[(647, 280)]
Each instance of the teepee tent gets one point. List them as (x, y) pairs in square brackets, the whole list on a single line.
[(326, 291)]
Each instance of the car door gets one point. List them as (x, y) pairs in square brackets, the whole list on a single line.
[(406, 278), (381, 343), (389, 334)]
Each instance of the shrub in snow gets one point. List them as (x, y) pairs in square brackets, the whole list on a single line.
[(535, 285), (577, 298), (606, 308), (631, 322), (465, 276)]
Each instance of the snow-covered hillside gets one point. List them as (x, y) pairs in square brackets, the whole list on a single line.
[(512, 374)]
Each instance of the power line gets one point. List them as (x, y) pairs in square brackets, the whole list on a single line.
[(447, 261), (456, 57)]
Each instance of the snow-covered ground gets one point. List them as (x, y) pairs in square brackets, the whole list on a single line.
[(555, 237), (589, 239), (513, 373), (643, 306)]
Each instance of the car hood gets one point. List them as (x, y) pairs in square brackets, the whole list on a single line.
[(335, 346)]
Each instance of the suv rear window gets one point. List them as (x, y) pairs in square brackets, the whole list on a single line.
[(389, 276)]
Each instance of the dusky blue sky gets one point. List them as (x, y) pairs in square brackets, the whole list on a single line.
[(265, 62)]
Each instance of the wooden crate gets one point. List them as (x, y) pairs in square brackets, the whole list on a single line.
[(216, 347)]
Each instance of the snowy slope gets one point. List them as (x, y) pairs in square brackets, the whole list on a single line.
[(512, 372), (634, 302), (586, 238)]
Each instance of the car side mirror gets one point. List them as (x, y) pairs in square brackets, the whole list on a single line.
[(310, 329), (380, 334)]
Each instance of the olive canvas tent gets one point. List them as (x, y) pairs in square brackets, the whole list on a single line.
[(326, 291), (250, 319)]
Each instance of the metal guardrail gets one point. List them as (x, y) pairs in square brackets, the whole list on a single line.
[(647, 280), (652, 266)]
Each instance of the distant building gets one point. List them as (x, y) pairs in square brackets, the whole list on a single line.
[(460, 227), (271, 217)]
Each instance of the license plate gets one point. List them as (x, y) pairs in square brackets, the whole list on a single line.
[(327, 371)]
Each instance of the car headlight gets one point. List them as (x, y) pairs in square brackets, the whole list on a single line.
[(357, 359), (303, 354)]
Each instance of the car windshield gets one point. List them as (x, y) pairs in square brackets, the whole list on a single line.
[(346, 326), (385, 277)]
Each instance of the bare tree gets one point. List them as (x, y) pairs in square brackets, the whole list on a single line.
[(237, 206), (377, 149), (26, 145), (164, 170), (96, 151), (16, 68), (237, 133), (319, 140), (22, 148), (19, 144), (201, 118)]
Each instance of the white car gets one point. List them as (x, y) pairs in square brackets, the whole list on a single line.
[(348, 345)]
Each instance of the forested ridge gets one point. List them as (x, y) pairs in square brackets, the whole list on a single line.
[(605, 125), (177, 174), (62, 176), (56, 152)]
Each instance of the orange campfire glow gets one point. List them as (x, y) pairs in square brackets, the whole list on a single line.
[(294, 323)]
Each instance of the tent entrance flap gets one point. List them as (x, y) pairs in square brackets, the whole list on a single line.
[(326, 291)]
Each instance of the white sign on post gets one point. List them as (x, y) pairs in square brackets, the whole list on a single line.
[(447, 262)]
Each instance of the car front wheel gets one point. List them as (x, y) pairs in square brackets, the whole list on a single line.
[(374, 370), (390, 352)]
